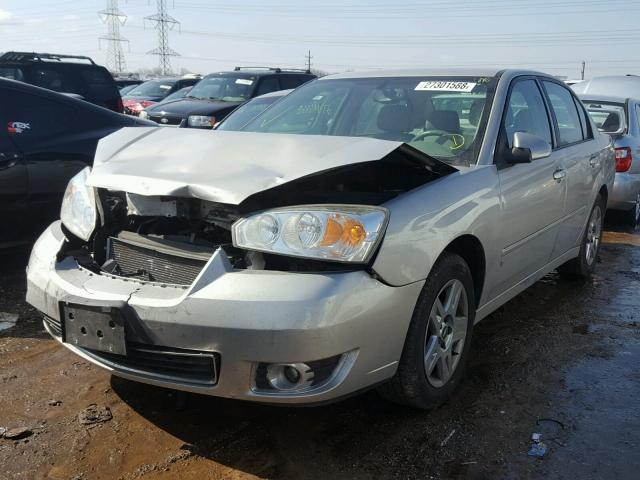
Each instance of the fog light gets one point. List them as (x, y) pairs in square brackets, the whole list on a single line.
[(289, 376)]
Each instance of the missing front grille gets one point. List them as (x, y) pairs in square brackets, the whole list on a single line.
[(154, 259)]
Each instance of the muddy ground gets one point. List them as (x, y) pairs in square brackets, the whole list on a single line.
[(564, 351)]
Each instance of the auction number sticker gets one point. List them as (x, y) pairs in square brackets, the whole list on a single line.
[(445, 86), (244, 81)]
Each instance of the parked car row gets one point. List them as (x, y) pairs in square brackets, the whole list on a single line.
[(218, 94)]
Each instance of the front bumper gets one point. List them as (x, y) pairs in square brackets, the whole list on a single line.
[(246, 317), (625, 191)]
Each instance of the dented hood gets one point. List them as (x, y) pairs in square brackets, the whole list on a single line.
[(220, 166)]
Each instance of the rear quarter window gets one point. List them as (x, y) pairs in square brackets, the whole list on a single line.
[(290, 81), (96, 83)]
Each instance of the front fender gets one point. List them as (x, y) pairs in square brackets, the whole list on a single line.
[(424, 221)]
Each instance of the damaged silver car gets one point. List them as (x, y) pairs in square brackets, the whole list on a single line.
[(350, 236)]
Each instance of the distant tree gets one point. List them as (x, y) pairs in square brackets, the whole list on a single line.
[(319, 73)]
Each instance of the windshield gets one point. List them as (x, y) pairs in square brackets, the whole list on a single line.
[(442, 117), (243, 114), (608, 117), (179, 94), (152, 88), (226, 88)]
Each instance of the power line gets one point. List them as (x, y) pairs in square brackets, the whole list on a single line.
[(164, 23), (114, 19)]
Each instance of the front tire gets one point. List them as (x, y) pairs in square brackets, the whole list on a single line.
[(438, 340), (584, 264)]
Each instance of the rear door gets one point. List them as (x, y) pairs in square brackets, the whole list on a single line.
[(13, 175), (532, 200), (54, 148), (580, 161)]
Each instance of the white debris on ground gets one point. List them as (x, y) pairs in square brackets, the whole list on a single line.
[(7, 320)]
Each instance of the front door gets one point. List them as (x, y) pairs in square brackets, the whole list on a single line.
[(532, 200)]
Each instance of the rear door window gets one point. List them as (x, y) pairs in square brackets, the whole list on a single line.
[(53, 79), (290, 81), (566, 114), (96, 83), (586, 131)]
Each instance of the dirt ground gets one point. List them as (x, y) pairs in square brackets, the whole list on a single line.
[(562, 359)]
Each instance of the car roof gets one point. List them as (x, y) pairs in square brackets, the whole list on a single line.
[(259, 72), (594, 97), (612, 85), (434, 72)]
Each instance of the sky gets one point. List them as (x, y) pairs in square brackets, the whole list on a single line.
[(554, 36)]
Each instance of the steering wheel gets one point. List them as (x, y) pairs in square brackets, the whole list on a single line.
[(455, 138)]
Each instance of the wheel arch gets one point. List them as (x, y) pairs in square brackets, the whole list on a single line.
[(604, 193), (472, 252)]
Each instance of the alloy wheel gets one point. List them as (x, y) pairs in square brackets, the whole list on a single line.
[(446, 333), (594, 233)]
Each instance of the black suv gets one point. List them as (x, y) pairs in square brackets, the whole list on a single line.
[(65, 74), (45, 139), (218, 94)]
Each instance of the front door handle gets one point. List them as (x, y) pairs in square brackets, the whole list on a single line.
[(559, 175)]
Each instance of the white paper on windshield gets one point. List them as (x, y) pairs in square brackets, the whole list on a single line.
[(244, 81), (165, 87), (445, 86)]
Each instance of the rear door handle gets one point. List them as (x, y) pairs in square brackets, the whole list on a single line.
[(559, 175), (594, 160)]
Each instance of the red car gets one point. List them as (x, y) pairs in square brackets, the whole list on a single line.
[(154, 91)]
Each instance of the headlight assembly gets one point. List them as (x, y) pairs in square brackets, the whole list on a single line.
[(343, 233), (78, 212), (201, 121)]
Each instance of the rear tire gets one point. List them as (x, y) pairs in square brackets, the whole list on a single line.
[(584, 264), (437, 344)]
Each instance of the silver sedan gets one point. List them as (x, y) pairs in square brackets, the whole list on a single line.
[(620, 117), (350, 236)]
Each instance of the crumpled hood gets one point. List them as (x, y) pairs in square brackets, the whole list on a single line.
[(220, 166)]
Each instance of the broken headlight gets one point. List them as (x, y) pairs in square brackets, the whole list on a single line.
[(78, 212), (343, 233)]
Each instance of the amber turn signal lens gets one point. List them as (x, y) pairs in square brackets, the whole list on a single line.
[(343, 229)]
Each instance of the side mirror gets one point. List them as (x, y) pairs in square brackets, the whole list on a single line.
[(528, 147)]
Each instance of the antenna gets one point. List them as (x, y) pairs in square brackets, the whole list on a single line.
[(309, 57), (584, 64), (163, 24), (114, 19)]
